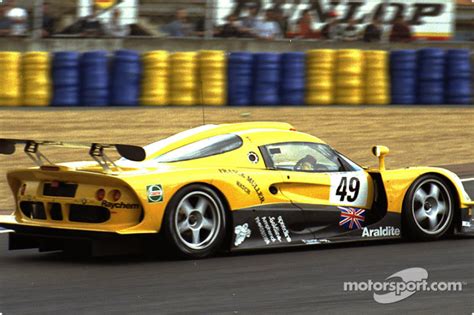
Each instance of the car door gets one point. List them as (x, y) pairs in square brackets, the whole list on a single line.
[(332, 193)]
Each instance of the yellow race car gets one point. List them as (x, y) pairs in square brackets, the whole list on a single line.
[(225, 187)]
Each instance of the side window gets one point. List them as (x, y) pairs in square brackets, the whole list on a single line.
[(302, 156)]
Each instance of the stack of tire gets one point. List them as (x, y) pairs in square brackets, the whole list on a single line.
[(376, 78), (240, 78), (458, 75), (10, 89), (95, 79), (126, 78), (403, 74), (155, 78), (348, 77), (320, 65), (431, 76), (266, 86), (293, 70), (36, 79), (213, 77), (183, 79), (66, 78)]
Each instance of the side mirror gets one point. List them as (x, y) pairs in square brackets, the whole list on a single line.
[(380, 151)]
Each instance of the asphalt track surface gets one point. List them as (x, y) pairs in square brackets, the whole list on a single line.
[(301, 281)]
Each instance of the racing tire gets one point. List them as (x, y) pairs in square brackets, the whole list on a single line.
[(428, 209), (195, 222)]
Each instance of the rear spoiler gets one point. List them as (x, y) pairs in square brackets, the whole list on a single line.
[(96, 150)]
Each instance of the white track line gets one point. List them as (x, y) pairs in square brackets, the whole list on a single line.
[(467, 179)]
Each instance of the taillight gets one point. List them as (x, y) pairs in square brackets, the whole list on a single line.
[(115, 194), (22, 190), (100, 194)]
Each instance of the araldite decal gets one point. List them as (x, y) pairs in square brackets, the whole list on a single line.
[(431, 19)]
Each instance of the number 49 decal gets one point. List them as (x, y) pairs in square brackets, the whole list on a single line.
[(349, 189)]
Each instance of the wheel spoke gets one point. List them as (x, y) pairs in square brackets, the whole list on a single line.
[(183, 226), (434, 191), (441, 208), (420, 214), (207, 224), (202, 205), (196, 236), (187, 207), (432, 221), (420, 195)]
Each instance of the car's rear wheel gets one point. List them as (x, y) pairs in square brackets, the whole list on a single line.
[(195, 222), (428, 208)]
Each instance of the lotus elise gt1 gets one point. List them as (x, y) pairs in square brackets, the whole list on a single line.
[(225, 187)]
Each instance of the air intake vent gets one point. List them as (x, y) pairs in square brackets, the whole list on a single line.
[(88, 214), (33, 210)]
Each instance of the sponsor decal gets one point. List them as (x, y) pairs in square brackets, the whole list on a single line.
[(273, 229), (381, 232), (466, 223), (316, 241), (119, 205), (243, 187), (351, 218), (154, 193), (241, 232), (248, 178), (253, 157)]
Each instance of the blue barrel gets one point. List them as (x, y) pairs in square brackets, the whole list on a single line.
[(95, 78), (458, 77), (403, 76), (431, 75), (239, 78), (126, 77), (266, 89), (66, 78), (293, 69)]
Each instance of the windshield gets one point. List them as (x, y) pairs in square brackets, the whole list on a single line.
[(203, 148)]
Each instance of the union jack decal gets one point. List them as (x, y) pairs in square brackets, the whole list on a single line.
[(352, 218)]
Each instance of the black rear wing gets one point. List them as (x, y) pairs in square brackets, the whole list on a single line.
[(96, 150)]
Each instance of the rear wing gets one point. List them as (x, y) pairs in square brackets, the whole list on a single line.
[(96, 150)]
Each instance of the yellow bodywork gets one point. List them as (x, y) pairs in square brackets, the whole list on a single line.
[(241, 183)]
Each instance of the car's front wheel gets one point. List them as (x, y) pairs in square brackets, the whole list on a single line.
[(428, 208), (195, 222)]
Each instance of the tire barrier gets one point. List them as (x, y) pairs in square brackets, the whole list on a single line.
[(36, 79), (376, 78), (212, 77), (403, 70), (154, 83), (266, 85), (458, 77), (212, 85), (320, 65), (348, 77), (183, 79), (240, 78), (293, 68), (431, 73), (125, 79), (95, 79), (66, 78), (10, 89)]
